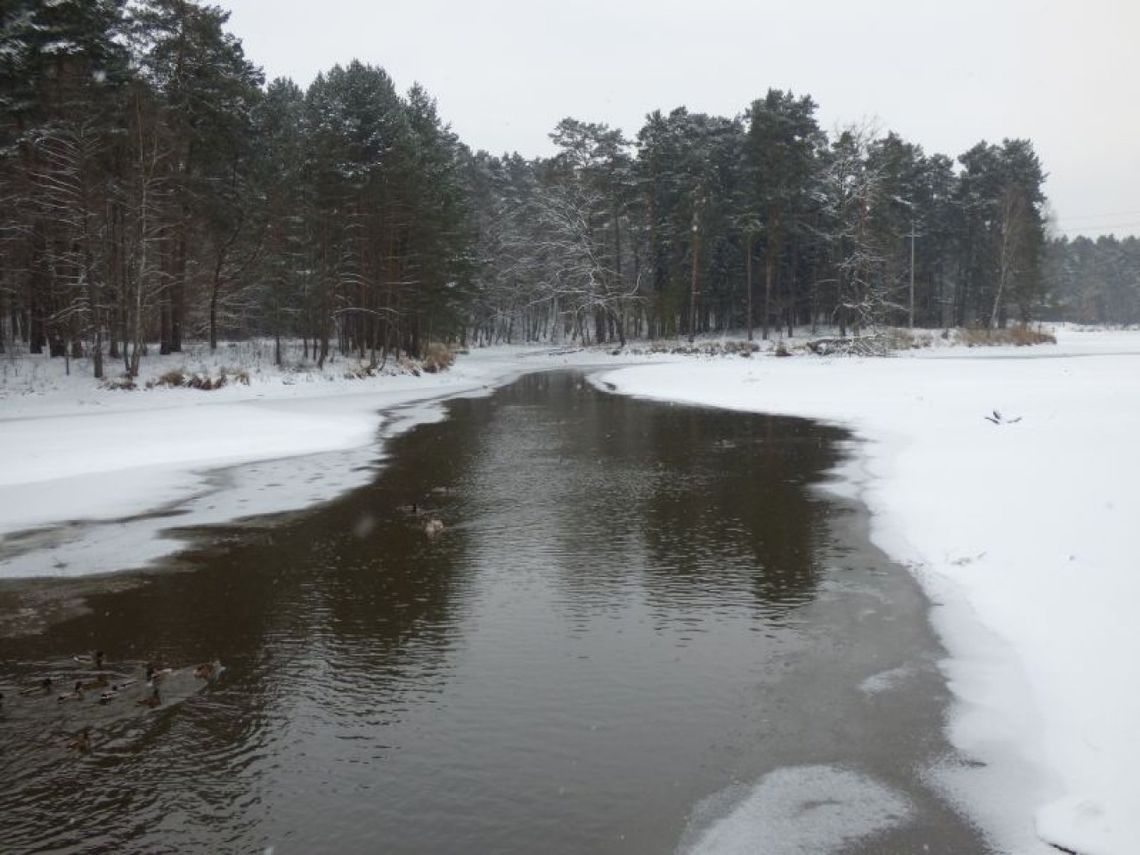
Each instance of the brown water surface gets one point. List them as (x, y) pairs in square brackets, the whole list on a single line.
[(640, 622)]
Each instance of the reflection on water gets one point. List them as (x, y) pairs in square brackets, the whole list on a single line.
[(571, 666)]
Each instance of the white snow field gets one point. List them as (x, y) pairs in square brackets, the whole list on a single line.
[(1021, 531), (1023, 534)]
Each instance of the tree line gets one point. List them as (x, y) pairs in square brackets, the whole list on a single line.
[(762, 221), (153, 188), (1093, 281)]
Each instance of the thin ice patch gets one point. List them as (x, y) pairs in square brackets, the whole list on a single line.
[(801, 810), (884, 681)]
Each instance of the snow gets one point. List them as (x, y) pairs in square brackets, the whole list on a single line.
[(1021, 533), (800, 810)]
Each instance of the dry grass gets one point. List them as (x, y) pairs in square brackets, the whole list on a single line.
[(438, 358), (1021, 335), (205, 382), (178, 378), (712, 348), (897, 338), (124, 383), (879, 344), (360, 371), (174, 378)]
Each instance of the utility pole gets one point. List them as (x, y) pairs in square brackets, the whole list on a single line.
[(912, 236), (748, 277), (696, 252)]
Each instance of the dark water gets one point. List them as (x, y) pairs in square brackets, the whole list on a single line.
[(635, 613)]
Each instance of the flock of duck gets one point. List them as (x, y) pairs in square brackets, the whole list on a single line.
[(112, 687)]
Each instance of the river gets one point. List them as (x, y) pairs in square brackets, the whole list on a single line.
[(643, 628)]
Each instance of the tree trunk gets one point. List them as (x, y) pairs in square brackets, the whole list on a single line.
[(97, 353), (792, 292), (748, 283), (768, 271), (693, 285)]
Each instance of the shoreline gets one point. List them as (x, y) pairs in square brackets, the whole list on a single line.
[(992, 519), (144, 472)]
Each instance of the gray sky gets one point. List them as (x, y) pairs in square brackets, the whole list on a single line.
[(945, 74)]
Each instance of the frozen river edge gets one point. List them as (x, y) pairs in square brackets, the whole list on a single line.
[(1017, 524), (1016, 530)]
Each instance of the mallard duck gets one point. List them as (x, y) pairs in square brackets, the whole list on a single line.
[(43, 687), (95, 659), (109, 695), (75, 694), (152, 700), (209, 670), (98, 683), (81, 742), (154, 673)]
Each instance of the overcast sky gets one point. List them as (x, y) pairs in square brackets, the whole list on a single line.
[(942, 73)]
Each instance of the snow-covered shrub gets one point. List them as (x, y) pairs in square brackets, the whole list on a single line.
[(174, 377), (124, 382), (359, 371)]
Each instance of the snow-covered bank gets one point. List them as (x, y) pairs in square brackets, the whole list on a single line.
[(122, 467), (1021, 531)]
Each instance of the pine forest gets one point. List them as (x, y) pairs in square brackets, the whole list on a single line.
[(155, 189)]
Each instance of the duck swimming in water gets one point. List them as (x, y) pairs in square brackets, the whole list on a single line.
[(152, 700), (75, 694), (209, 671), (43, 687), (98, 683), (154, 673), (95, 659), (81, 742)]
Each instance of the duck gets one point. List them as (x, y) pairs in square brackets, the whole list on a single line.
[(98, 683), (209, 670), (152, 700), (75, 694), (95, 659), (109, 695), (81, 742), (154, 673), (43, 687)]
